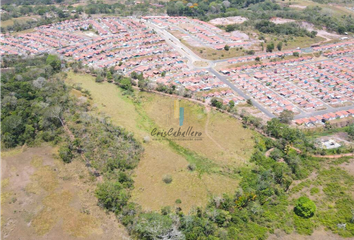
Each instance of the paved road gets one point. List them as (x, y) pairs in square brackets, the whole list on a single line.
[(306, 115), (241, 93), (180, 47)]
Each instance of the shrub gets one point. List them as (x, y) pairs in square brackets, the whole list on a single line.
[(65, 153), (167, 179), (314, 191), (305, 207), (54, 61), (112, 196), (191, 167)]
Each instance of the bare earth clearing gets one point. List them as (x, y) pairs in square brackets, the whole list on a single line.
[(228, 20), (44, 199)]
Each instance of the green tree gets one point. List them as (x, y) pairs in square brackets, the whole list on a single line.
[(126, 84), (99, 78), (350, 131), (230, 28), (153, 226), (305, 207), (54, 61), (227, 47), (112, 196), (270, 47), (142, 84), (231, 104), (216, 102), (65, 153), (280, 46), (109, 76), (286, 116)]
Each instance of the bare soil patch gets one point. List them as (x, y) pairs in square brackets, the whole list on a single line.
[(278, 20), (298, 6), (228, 20), (42, 198), (318, 234)]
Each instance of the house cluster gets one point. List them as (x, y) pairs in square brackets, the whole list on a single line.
[(226, 95), (72, 37), (343, 52), (322, 82), (321, 119), (202, 84), (303, 86), (333, 46), (37, 42), (257, 89), (154, 67), (262, 56), (289, 91), (102, 26), (204, 33)]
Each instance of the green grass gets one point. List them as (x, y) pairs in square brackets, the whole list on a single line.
[(334, 203), (140, 114), (213, 54), (20, 20)]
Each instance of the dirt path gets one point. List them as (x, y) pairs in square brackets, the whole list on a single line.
[(327, 156), (67, 130), (335, 156), (206, 130), (267, 154), (313, 155)]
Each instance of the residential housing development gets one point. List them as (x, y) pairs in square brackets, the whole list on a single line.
[(315, 89)]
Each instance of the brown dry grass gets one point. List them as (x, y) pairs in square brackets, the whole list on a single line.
[(236, 142), (213, 54), (160, 158), (52, 200)]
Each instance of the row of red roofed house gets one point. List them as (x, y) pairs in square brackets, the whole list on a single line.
[(334, 45), (321, 119)]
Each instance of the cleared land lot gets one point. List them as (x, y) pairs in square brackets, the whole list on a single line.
[(329, 8), (213, 165), (44, 199), (213, 54), (20, 20)]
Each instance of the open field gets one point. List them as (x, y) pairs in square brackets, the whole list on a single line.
[(12, 21), (293, 42), (331, 189), (164, 157), (213, 54), (44, 199), (332, 9), (226, 130)]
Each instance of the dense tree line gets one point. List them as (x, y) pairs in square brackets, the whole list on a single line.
[(202, 8), (263, 10), (33, 97), (294, 29)]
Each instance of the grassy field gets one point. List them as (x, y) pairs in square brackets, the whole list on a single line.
[(44, 199), (332, 9), (213, 54), (331, 189), (11, 22), (292, 42), (214, 165)]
